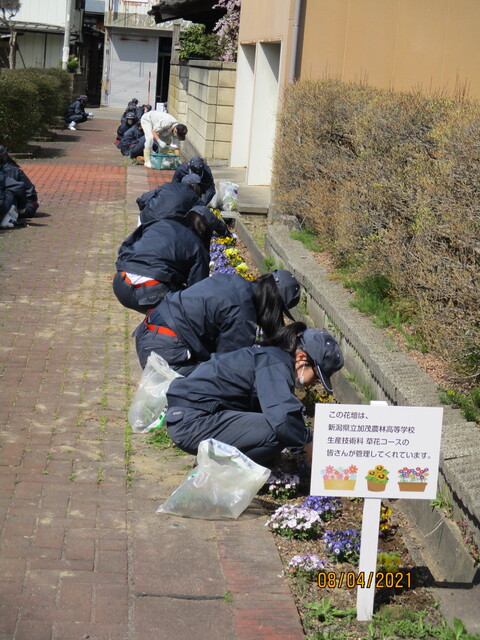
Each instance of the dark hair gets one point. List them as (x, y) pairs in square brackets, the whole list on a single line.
[(200, 226), (268, 304), (197, 188), (181, 131), (288, 338)]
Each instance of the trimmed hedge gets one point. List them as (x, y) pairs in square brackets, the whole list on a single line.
[(390, 183), (32, 100)]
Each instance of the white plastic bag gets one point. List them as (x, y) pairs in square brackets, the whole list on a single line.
[(151, 396), (227, 196), (221, 486)]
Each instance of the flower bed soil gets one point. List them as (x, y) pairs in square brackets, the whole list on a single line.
[(415, 597)]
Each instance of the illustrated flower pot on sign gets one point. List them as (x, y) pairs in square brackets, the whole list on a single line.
[(342, 485), (412, 486), (377, 478), (412, 479), (339, 479)]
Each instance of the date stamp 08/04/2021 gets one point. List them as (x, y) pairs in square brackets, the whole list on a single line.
[(350, 579)]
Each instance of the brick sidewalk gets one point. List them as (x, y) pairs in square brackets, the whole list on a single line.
[(82, 552)]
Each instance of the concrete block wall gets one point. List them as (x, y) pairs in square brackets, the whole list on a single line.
[(201, 95)]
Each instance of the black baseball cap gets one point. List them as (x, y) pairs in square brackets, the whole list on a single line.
[(196, 165), (323, 349), (288, 288), (191, 178)]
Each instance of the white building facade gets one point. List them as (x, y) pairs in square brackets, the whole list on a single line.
[(137, 54), (40, 26)]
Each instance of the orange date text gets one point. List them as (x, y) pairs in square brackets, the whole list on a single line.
[(350, 580)]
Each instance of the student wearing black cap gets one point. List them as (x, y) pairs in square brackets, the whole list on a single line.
[(199, 166), (246, 398), (75, 113), (216, 315), (170, 199)]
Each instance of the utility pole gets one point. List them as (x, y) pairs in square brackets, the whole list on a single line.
[(66, 37)]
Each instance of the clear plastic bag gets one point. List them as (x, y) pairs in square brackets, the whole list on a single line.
[(151, 396), (227, 196), (221, 486)]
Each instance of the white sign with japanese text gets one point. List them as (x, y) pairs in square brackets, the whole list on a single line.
[(373, 451)]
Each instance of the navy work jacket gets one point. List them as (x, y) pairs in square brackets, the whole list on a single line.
[(166, 200), (17, 174), (216, 315), (130, 137), (207, 183), (75, 109), (253, 379), (165, 250)]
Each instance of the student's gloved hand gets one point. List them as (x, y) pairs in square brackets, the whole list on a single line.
[(90, 115)]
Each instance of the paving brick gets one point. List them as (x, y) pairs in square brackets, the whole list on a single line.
[(8, 621), (111, 604), (79, 549), (33, 630), (111, 561), (74, 595), (49, 536)]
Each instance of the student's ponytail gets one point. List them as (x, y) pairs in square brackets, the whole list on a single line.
[(198, 225), (288, 338), (268, 305)]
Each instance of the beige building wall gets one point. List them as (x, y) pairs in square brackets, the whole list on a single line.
[(403, 45), (201, 96), (430, 45), (269, 21)]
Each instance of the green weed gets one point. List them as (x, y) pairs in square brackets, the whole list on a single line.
[(468, 403), (443, 500), (103, 424), (159, 439), (268, 264), (308, 238), (324, 611)]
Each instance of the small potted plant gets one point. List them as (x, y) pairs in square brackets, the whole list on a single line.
[(377, 478), (72, 64)]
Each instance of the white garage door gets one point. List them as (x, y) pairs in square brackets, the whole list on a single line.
[(133, 72)]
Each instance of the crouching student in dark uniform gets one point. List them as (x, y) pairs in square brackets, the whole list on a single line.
[(162, 256), (199, 166), (25, 194), (75, 113), (133, 142), (171, 198), (246, 398), (6, 201), (218, 314), (130, 120)]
